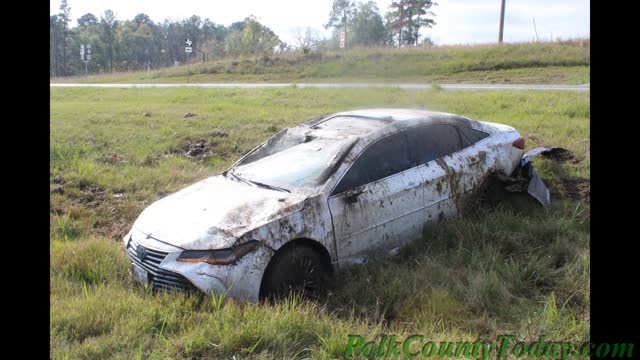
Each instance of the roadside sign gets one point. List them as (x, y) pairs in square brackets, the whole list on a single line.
[(85, 57), (341, 44), (342, 36), (83, 53), (188, 49)]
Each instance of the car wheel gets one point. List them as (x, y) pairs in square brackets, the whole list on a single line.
[(296, 268)]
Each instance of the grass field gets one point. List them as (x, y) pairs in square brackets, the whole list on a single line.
[(528, 63), (511, 270)]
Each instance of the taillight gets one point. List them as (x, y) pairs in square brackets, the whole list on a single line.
[(519, 143)]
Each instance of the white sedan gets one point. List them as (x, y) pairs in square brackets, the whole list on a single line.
[(319, 197)]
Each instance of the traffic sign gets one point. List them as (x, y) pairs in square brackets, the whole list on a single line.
[(188, 49), (83, 53), (342, 35), (341, 44), (85, 57), (188, 42)]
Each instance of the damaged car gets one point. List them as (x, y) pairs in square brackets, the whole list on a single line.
[(321, 196)]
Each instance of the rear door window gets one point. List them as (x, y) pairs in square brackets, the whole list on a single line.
[(431, 142), (470, 135)]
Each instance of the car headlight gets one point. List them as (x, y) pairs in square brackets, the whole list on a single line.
[(218, 257)]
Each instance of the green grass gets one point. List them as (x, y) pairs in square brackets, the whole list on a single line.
[(533, 63), (517, 270)]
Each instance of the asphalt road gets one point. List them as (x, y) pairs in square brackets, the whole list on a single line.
[(583, 87)]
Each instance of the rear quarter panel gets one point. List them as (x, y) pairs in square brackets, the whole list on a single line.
[(499, 145)]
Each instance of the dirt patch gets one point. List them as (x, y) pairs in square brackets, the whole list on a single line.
[(57, 185), (56, 189), (105, 213), (577, 189), (194, 150), (562, 155), (91, 195), (117, 230), (219, 133), (197, 150), (91, 189)]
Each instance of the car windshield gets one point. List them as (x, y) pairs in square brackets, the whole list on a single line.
[(302, 165)]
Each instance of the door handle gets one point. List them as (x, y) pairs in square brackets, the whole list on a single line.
[(410, 186)]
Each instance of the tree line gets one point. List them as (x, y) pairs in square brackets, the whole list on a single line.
[(138, 44)]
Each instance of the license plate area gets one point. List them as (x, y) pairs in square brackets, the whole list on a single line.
[(139, 274)]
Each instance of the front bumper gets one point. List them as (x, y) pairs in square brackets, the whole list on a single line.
[(240, 280), (146, 266)]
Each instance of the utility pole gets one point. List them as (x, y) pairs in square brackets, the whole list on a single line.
[(501, 23), (343, 34), (345, 29), (401, 25)]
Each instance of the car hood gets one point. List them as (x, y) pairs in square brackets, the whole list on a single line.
[(214, 213)]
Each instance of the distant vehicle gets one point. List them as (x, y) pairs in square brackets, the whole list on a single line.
[(318, 197)]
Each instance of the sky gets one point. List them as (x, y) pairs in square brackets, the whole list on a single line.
[(457, 21)]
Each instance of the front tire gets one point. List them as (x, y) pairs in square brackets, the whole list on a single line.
[(296, 268)]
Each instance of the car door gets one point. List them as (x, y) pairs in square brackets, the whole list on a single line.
[(431, 147), (378, 204)]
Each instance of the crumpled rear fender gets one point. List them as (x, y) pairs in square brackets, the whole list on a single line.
[(527, 174)]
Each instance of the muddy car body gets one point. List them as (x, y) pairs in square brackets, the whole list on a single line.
[(316, 197)]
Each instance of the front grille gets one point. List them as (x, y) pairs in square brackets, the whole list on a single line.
[(160, 279)]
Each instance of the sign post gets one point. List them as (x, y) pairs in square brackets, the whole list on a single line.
[(87, 58), (188, 49)]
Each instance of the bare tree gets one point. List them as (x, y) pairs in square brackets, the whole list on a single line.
[(307, 39)]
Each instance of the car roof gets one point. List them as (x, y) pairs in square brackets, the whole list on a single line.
[(395, 114), (359, 123), (351, 127)]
